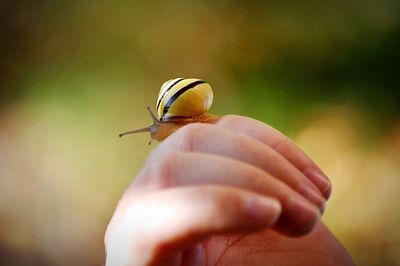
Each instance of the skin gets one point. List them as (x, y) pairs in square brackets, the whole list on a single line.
[(237, 192)]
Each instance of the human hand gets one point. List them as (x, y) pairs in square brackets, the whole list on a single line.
[(208, 189)]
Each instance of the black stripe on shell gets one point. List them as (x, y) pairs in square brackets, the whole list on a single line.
[(179, 93), (165, 92)]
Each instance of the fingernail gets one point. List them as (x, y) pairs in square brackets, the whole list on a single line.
[(312, 195), (321, 181), (263, 209), (323, 207)]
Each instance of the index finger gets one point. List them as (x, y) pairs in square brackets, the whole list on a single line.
[(282, 144)]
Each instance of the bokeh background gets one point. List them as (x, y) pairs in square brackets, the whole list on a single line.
[(73, 74)]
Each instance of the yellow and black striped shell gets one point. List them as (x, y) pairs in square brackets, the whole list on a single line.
[(183, 98), (180, 101)]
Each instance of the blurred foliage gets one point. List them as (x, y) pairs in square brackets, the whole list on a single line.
[(73, 74)]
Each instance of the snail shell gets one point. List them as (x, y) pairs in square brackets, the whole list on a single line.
[(180, 101), (183, 98)]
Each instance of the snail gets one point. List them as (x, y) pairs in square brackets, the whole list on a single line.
[(180, 101)]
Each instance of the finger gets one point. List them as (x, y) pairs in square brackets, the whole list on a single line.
[(212, 139), (155, 228), (282, 144), (183, 168)]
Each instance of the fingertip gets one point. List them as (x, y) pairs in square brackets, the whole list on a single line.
[(328, 191), (320, 180), (299, 219)]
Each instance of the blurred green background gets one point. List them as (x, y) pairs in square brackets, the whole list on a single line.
[(74, 74)]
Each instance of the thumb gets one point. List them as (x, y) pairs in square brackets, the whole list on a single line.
[(157, 227)]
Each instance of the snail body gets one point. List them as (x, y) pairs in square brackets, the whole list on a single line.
[(180, 101)]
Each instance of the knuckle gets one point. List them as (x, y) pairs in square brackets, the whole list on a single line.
[(284, 146), (293, 153), (211, 196), (160, 170), (187, 137), (274, 161), (216, 202), (228, 120), (298, 185), (184, 139)]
